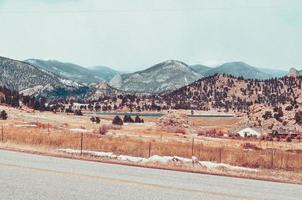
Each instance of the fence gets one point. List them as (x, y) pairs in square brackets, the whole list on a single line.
[(145, 147)]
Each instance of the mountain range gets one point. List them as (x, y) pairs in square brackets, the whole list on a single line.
[(173, 74), (18, 75), (75, 72), (51, 77), (241, 69), (31, 80)]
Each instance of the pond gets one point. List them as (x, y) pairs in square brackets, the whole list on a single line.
[(156, 114)]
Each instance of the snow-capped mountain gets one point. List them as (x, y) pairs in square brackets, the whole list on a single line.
[(75, 72), (168, 75)]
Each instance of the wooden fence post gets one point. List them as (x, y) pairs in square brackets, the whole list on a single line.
[(2, 133), (220, 155), (81, 143), (192, 146), (149, 149), (272, 159)]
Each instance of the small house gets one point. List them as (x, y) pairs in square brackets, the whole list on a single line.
[(249, 132)]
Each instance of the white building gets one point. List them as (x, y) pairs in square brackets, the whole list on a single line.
[(246, 132)]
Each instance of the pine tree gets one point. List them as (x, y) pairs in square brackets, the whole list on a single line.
[(117, 121)]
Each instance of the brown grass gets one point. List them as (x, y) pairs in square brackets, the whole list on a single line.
[(237, 155)]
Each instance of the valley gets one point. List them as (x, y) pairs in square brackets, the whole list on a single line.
[(160, 99)]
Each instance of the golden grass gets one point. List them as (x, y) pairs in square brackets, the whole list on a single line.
[(139, 146)]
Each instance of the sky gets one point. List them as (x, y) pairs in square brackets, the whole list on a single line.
[(131, 35)]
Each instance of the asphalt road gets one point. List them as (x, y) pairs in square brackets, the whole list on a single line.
[(32, 177)]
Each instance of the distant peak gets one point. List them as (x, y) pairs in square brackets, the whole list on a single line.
[(174, 62), (236, 62), (293, 72)]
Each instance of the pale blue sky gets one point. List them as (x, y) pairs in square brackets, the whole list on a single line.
[(135, 34)]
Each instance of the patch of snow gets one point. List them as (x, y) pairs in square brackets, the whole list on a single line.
[(160, 159), (76, 151), (104, 154), (33, 90), (130, 158), (25, 125), (93, 153), (69, 83), (79, 130), (212, 165)]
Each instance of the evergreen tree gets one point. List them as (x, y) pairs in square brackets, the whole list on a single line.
[(117, 121)]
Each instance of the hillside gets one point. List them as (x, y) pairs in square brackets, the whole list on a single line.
[(168, 75), (102, 90), (103, 72), (19, 75), (75, 72), (30, 80), (294, 72), (239, 69), (200, 69)]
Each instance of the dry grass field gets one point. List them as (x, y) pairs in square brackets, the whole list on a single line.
[(53, 131)]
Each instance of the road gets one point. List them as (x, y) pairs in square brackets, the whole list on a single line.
[(33, 177)]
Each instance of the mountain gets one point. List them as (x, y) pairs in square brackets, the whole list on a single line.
[(30, 80), (274, 72), (102, 90), (105, 73), (75, 72), (268, 102), (168, 75), (200, 69), (294, 72), (19, 75), (238, 69)]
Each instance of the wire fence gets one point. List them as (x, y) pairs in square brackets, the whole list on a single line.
[(268, 158)]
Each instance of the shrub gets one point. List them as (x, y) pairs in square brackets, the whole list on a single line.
[(267, 115), (117, 121), (172, 129), (289, 108), (298, 117), (3, 115), (250, 146), (104, 129), (92, 119), (97, 120), (78, 112), (138, 119), (128, 119)]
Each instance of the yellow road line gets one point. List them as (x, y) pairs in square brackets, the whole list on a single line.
[(121, 181)]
